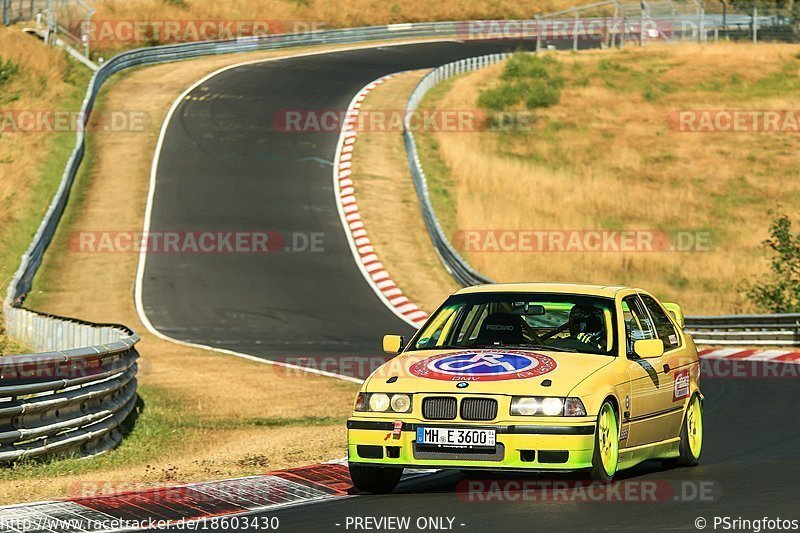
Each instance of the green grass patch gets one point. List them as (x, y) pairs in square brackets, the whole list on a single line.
[(161, 422), (530, 80), (8, 71), (241, 423), (437, 174)]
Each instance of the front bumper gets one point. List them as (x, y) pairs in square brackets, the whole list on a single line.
[(553, 445)]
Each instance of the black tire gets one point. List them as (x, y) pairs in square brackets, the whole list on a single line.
[(687, 458), (599, 472), (375, 479)]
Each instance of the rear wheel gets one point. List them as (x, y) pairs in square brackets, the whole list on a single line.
[(692, 433), (375, 479), (606, 445)]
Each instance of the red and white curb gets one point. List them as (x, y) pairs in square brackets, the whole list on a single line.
[(169, 506), (739, 354), (347, 201)]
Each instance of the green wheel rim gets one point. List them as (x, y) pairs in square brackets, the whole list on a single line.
[(694, 426), (608, 439)]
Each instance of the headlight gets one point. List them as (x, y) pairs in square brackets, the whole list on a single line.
[(548, 406), (524, 406), (552, 406), (378, 402), (401, 403)]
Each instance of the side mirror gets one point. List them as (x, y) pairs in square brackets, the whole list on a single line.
[(392, 344), (649, 348), (676, 311)]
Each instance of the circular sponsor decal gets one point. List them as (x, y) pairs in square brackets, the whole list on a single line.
[(489, 365)]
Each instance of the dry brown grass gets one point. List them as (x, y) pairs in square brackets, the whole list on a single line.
[(605, 158), (322, 14), (389, 206), (29, 161)]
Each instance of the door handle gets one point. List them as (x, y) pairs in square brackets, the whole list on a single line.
[(666, 369)]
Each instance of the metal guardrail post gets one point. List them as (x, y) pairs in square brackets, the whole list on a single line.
[(575, 32), (6, 12), (755, 22), (539, 33)]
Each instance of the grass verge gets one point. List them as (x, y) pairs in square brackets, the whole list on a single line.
[(388, 201)]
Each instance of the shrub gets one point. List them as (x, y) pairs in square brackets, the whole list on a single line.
[(531, 80), (8, 70), (779, 292)]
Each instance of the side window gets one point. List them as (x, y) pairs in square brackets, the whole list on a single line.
[(637, 323), (664, 327)]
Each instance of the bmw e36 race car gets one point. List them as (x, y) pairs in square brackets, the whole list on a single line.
[(532, 377)]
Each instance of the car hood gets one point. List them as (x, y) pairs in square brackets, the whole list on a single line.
[(495, 371)]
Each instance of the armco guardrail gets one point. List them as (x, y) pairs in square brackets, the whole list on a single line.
[(735, 330), (450, 258), (75, 399), (744, 330)]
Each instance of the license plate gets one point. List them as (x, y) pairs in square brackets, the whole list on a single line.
[(457, 437)]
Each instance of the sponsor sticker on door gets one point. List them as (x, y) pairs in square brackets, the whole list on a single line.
[(681, 385)]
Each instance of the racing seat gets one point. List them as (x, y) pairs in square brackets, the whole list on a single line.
[(503, 328)]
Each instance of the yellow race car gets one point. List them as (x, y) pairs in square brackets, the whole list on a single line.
[(532, 377)]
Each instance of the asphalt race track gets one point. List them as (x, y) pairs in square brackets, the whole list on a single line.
[(224, 168), (748, 469)]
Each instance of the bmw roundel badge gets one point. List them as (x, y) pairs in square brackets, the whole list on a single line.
[(462, 385)]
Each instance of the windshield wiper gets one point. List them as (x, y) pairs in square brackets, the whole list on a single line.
[(540, 347), (442, 347)]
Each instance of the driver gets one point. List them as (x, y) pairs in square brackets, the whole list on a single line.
[(587, 325)]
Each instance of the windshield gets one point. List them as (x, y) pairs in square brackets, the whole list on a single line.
[(560, 322)]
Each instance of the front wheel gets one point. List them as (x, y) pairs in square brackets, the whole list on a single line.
[(606, 445), (375, 479)]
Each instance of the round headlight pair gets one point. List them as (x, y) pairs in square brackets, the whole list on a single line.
[(530, 406), (380, 402)]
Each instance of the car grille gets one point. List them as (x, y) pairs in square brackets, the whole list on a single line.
[(478, 409), (433, 453), (439, 408)]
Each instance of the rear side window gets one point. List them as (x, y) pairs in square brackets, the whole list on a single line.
[(664, 328), (638, 325)]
